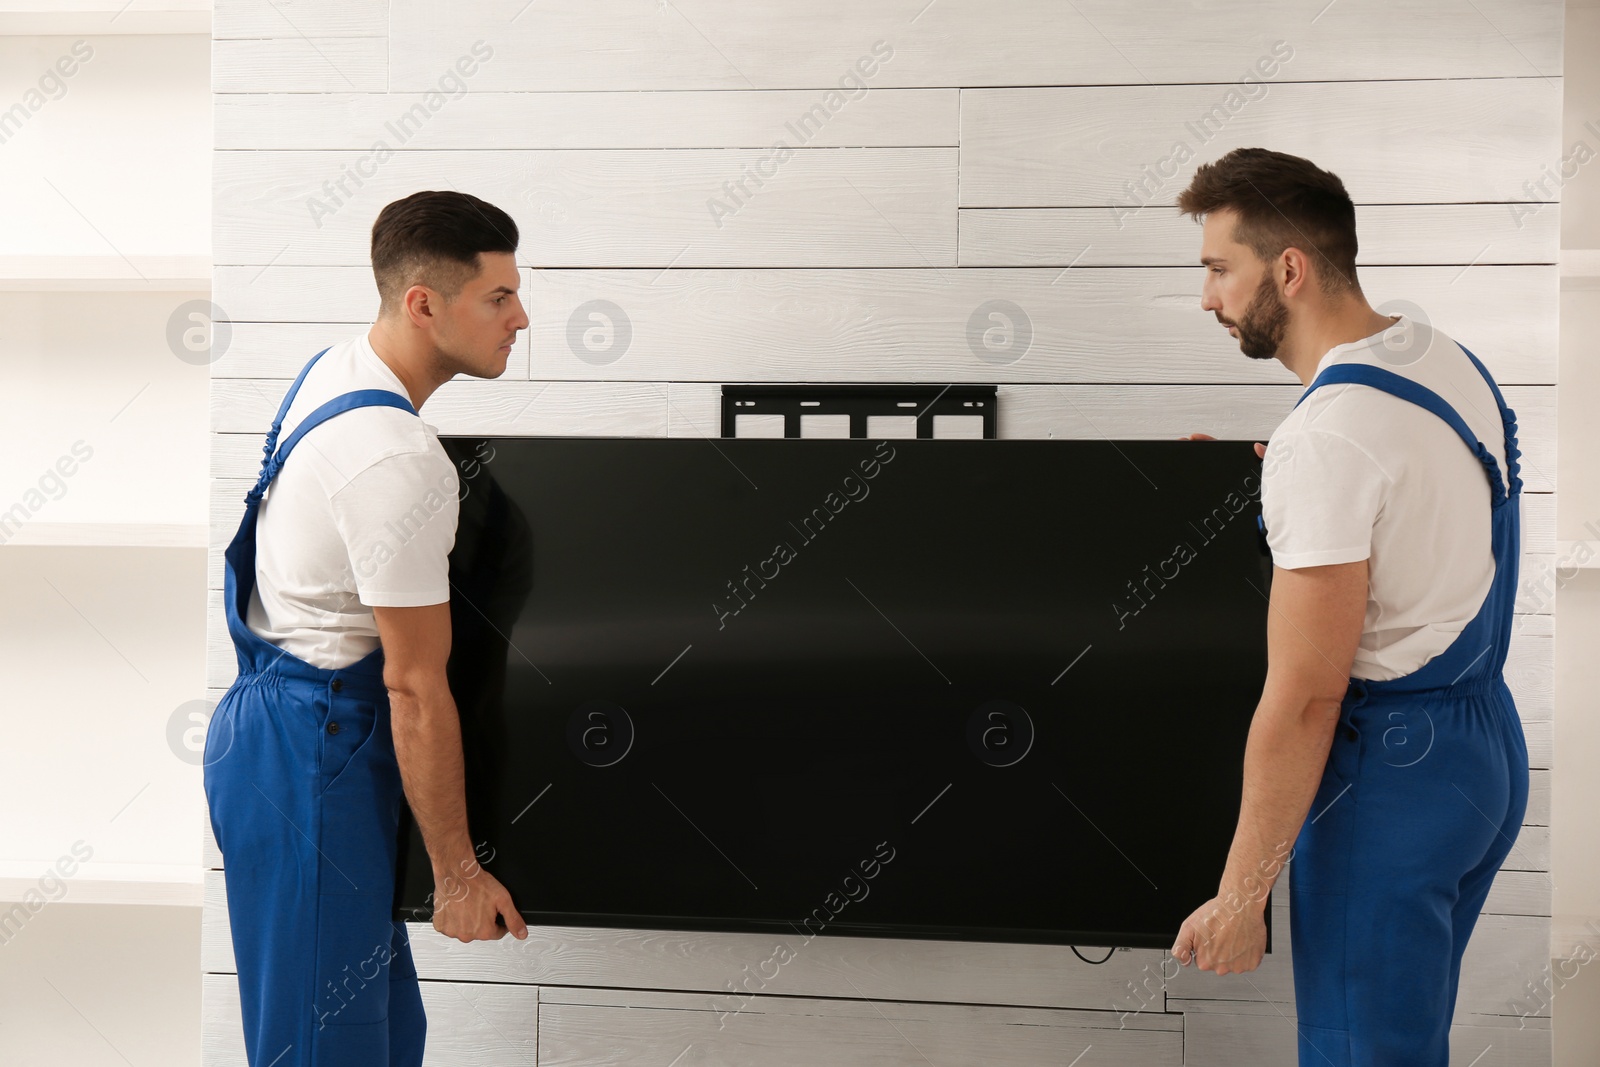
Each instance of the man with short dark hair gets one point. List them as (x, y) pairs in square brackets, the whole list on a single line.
[(1386, 745), (337, 601)]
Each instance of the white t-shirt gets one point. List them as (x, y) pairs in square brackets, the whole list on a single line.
[(362, 514), (1357, 473)]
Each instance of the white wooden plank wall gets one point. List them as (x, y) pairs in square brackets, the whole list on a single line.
[(954, 152)]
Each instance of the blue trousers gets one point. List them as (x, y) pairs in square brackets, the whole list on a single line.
[(304, 794), (1419, 805)]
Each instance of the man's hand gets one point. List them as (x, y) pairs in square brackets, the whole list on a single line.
[(427, 745), (471, 906), (1314, 621), (1261, 449), (1225, 934)]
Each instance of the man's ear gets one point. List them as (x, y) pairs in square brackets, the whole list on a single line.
[(1294, 266), (419, 304)]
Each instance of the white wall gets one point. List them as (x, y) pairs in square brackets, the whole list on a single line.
[(606, 133), (1002, 151)]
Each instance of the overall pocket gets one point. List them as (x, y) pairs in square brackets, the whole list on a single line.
[(348, 729)]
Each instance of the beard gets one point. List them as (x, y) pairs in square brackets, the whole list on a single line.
[(1264, 322)]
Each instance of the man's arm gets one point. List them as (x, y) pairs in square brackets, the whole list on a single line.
[(1315, 615), (427, 745)]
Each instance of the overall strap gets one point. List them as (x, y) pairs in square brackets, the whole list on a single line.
[(1508, 419), (359, 398), (1406, 389), (283, 409)]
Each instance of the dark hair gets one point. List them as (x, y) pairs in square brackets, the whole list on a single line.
[(433, 238), (1281, 200)]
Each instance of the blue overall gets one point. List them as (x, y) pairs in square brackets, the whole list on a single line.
[(1421, 800), (304, 796)]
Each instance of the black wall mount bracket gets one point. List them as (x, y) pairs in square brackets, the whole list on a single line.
[(859, 402)]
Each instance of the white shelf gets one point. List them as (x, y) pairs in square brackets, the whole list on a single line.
[(104, 273), (45, 18), (106, 883), (111, 534)]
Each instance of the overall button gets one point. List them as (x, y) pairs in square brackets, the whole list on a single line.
[(333, 727), (337, 684)]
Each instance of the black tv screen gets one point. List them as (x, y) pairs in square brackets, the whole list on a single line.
[(989, 690)]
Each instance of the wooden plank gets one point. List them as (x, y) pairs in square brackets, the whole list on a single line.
[(847, 207), (1520, 893), (239, 19), (227, 511), (638, 409), (1501, 1046), (281, 349), (1540, 737), (222, 665), (914, 118), (469, 1025), (1476, 140), (1390, 235), (293, 64), (1533, 625), (1538, 522), (1098, 325), (1541, 575), (655, 999), (1105, 325), (1538, 799), (1153, 411), (1271, 985), (694, 410), (628, 409), (242, 409), (723, 44), (586, 1026), (1505, 952), (1531, 852), (245, 407), (1530, 672), (1530, 591), (289, 293), (210, 854), (85, 18), (1045, 976), (1214, 1039)]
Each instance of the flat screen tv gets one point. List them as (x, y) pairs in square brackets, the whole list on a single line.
[(991, 690)]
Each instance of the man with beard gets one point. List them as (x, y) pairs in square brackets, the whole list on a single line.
[(1385, 745)]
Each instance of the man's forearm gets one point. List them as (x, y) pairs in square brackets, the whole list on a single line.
[(427, 746), (1290, 737)]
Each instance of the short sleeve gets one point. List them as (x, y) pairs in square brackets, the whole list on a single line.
[(1321, 496), (398, 521)]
